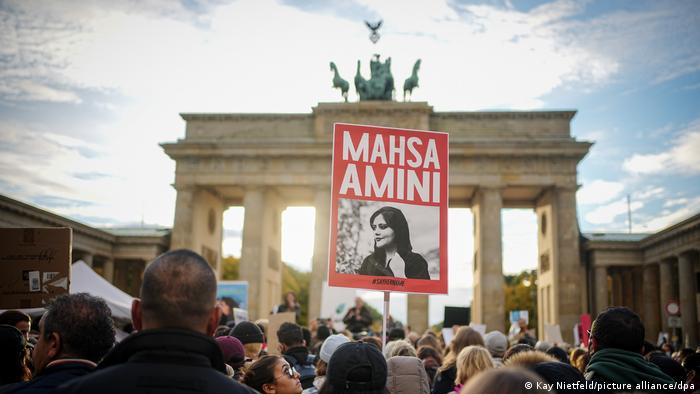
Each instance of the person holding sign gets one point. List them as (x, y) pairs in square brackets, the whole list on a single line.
[(393, 254)]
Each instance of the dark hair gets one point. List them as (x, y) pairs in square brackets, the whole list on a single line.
[(396, 221), (374, 341), (515, 349), (559, 354), (178, 287), (692, 363), (13, 366), (323, 332), (667, 365), (11, 318), (307, 336), (290, 334), (261, 372), (426, 351), (84, 323), (396, 333), (618, 328)]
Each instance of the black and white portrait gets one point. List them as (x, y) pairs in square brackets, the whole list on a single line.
[(388, 239)]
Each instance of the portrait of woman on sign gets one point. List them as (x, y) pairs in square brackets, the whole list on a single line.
[(393, 254)]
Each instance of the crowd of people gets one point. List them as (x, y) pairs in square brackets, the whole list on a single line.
[(179, 346)]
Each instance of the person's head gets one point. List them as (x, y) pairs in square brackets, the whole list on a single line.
[(513, 350), (691, 364), (250, 336), (401, 347), (356, 367), (327, 349), (558, 353), (542, 346), (178, 291), (290, 335), (227, 304), (466, 336), (617, 328), (470, 361), (496, 343), (505, 381), (374, 341), (290, 299), (528, 358), (323, 332), (390, 230), (396, 333), (429, 340), (232, 349), (74, 326), (429, 352), (558, 373), (13, 366), (273, 374), (19, 320), (359, 302), (575, 355), (522, 323), (667, 365)]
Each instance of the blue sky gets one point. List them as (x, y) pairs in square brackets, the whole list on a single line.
[(87, 92)]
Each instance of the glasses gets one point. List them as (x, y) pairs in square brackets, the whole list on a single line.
[(288, 371)]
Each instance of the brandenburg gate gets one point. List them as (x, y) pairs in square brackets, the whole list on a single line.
[(266, 162)]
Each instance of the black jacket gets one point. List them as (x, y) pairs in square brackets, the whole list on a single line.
[(445, 381), (51, 377), (358, 322), (416, 266), (160, 361)]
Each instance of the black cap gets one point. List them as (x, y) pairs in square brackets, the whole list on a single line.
[(247, 332), (357, 366)]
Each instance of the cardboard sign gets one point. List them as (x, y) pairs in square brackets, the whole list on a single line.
[(335, 303), (389, 209), (275, 322), (552, 334), (34, 266)]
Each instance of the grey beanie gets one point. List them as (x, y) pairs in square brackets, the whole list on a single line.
[(496, 342), (330, 344)]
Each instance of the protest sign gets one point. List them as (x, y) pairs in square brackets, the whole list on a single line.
[(552, 334), (275, 322), (517, 315), (34, 266), (237, 290), (389, 209)]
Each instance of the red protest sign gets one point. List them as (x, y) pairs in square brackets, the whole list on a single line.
[(389, 209)]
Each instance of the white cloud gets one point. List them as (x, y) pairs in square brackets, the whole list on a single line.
[(607, 214), (659, 221), (682, 157), (676, 201), (598, 192)]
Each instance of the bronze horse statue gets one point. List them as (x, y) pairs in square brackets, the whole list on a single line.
[(411, 82), (339, 82)]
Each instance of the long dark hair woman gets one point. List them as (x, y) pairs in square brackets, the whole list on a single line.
[(272, 374), (393, 254)]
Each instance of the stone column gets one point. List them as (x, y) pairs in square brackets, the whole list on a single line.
[(650, 295), (617, 288), (182, 236), (261, 263), (488, 306), (319, 269), (87, 258), (601, 290), (417, 314), (687, 291), (109, 270), (665, 292), (628, 288)]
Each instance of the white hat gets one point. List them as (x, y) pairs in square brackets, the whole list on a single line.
[(330, 344)]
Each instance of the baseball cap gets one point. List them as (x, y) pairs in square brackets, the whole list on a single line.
[(357, 366)]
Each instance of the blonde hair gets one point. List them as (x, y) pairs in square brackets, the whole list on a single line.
[(466, 336), (508, 380), (252, 350), (529, 359), (470, 361), (400, 347)]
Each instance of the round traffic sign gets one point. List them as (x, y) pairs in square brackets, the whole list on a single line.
[(673, 309)]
